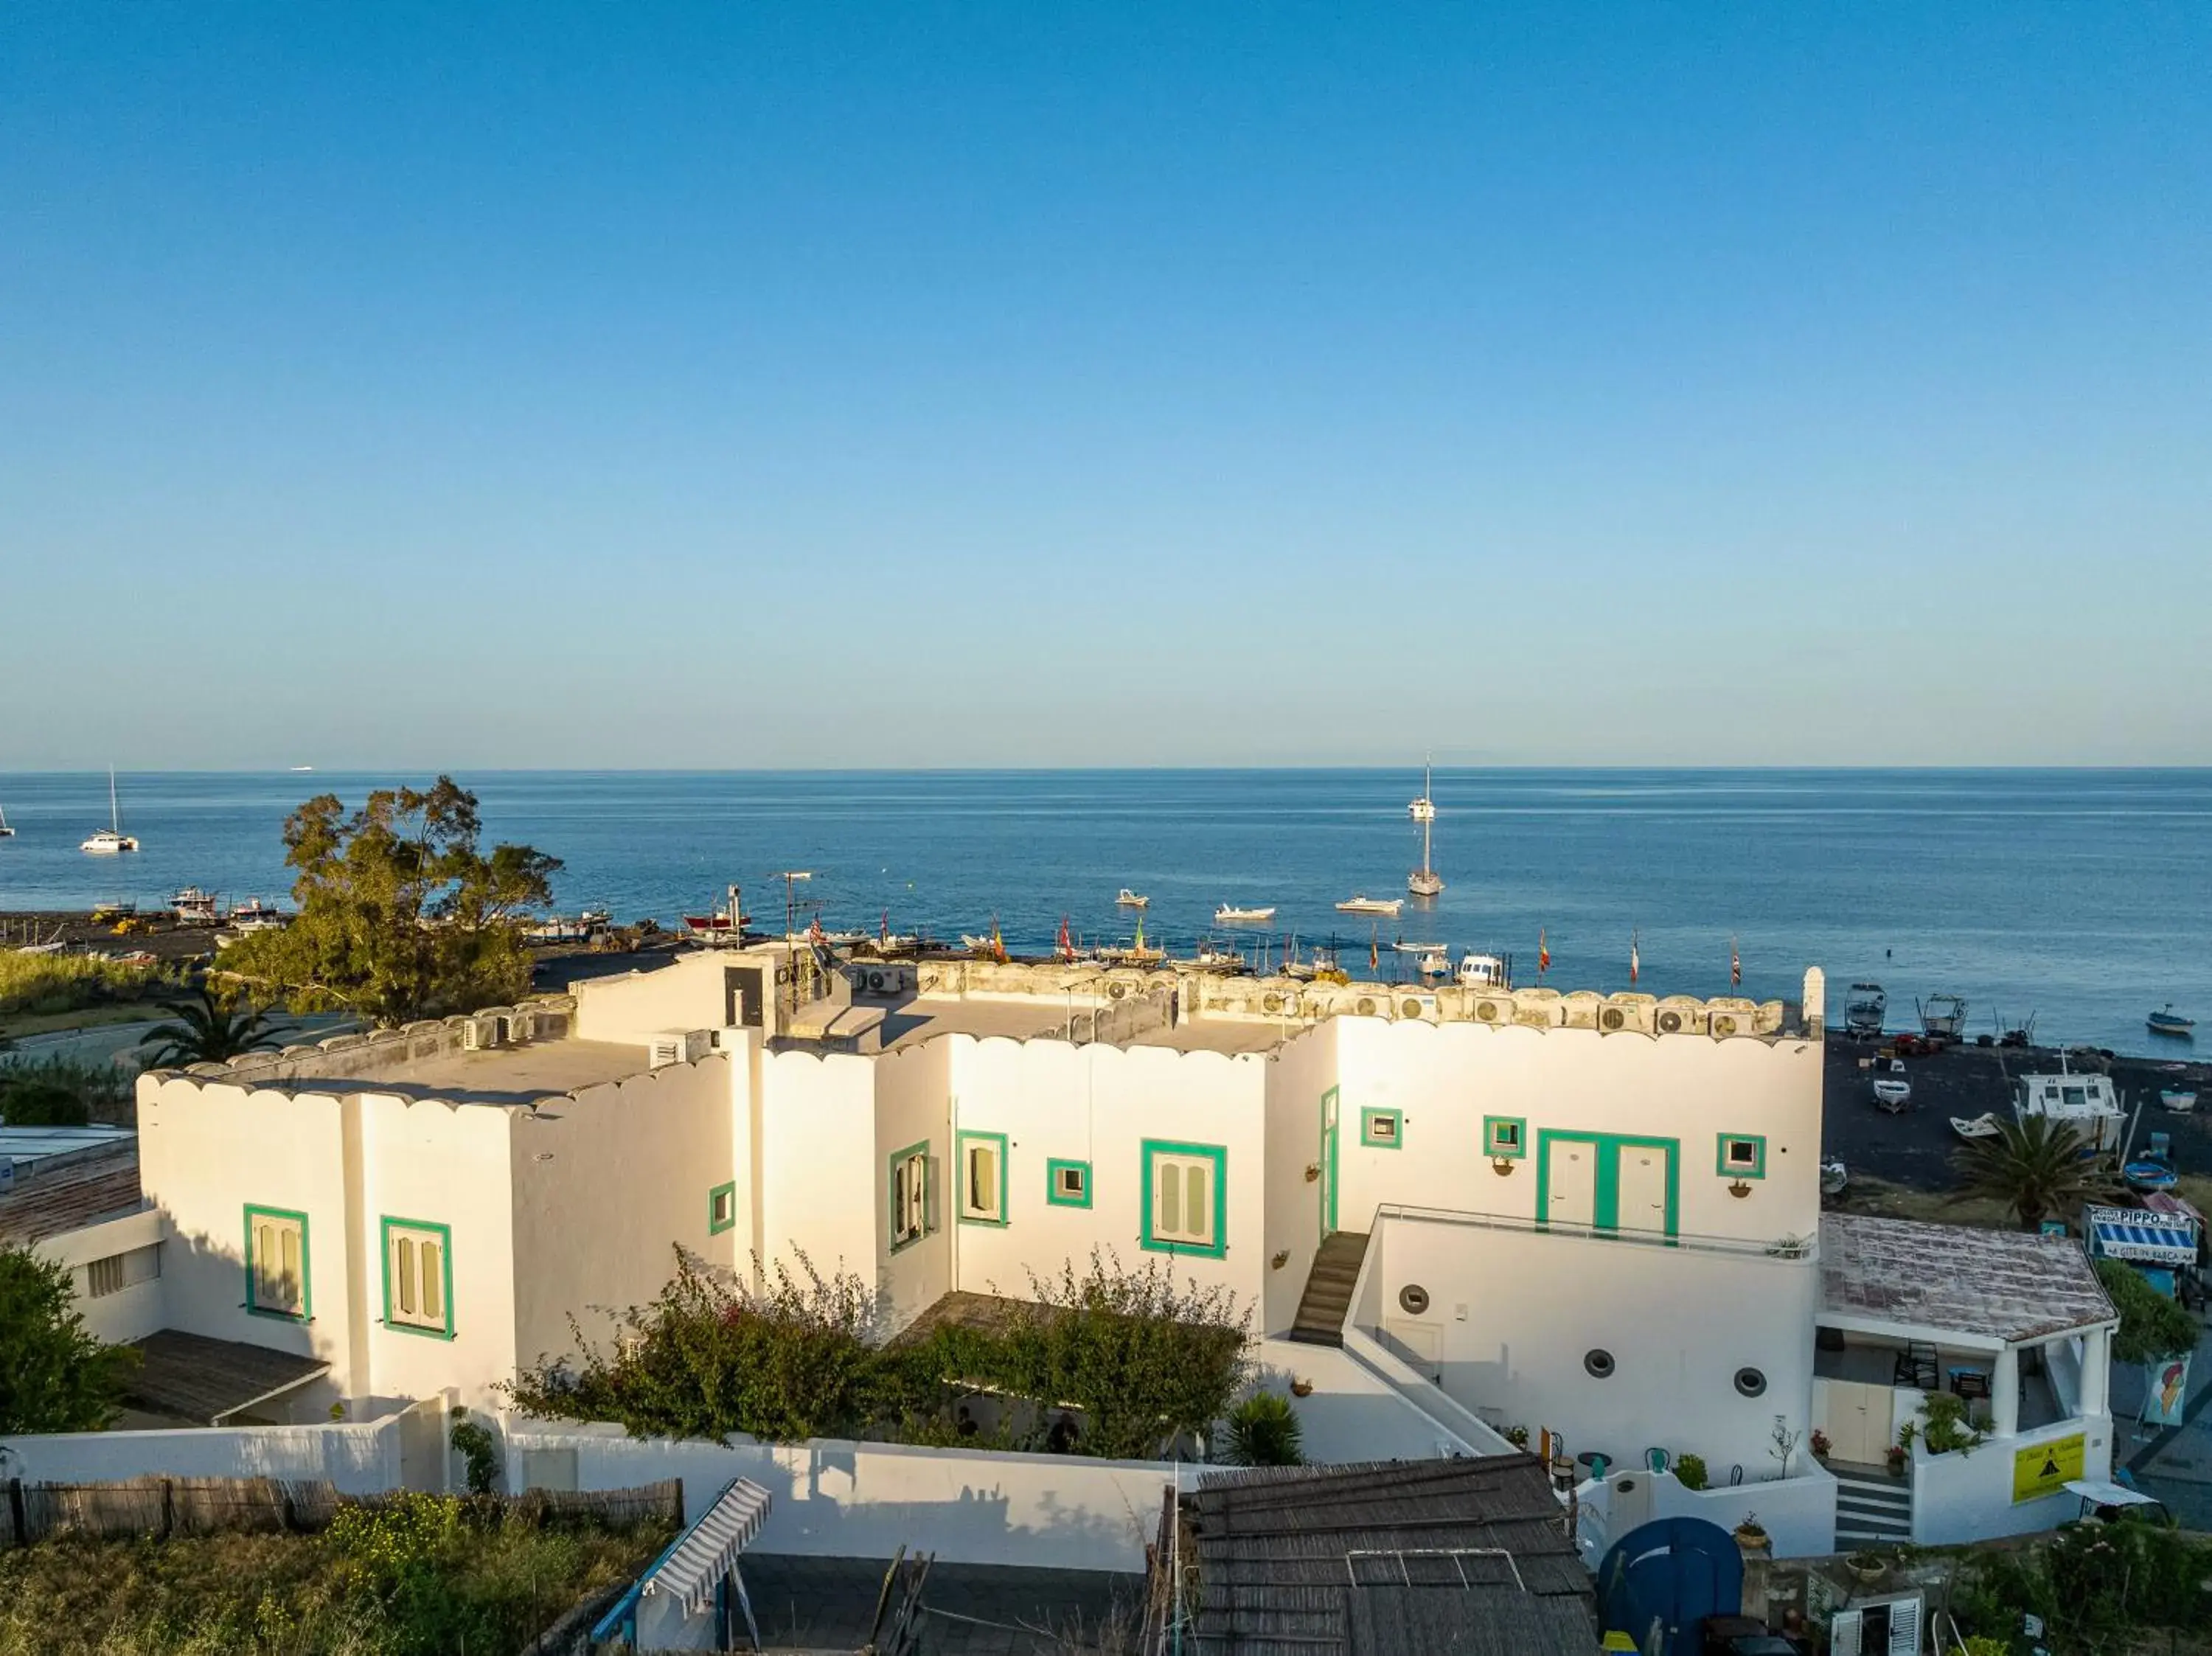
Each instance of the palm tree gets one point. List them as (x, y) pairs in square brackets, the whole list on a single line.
[(2035, 1168), (206, 1031)]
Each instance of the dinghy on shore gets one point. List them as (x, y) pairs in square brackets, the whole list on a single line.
[(1983, 1125)]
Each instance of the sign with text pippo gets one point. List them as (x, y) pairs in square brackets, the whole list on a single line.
[(2047, 1468)]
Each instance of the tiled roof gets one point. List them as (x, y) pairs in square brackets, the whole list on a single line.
[(2010, 1285), (1387, 1557), (66, 1196)]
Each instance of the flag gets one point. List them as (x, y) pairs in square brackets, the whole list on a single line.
[(1543, 954), (1635, 965), (883, 932), (1735, 965), (1374, 953)]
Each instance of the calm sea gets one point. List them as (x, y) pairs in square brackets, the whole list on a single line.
[(2082, 897)]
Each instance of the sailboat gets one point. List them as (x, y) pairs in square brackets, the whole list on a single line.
[(112, 839), (6, 833), (1424, 881)]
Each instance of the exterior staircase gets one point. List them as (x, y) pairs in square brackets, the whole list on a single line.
[(1873, 1509), (1327, 1299)]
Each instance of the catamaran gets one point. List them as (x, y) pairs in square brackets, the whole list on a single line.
[(1424, 881), (112, 839), (1361, 903)]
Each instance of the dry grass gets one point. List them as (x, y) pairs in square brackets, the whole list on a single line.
[(37, 985), (496, 1585)]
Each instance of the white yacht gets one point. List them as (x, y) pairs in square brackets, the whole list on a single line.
[(1230, 914), (1361, 903), (112, 839), (1424, 881), (1485, 972), (1128, 899)]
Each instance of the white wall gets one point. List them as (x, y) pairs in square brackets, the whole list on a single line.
[(607, 1185), (1099, 1103), (688, 993), (1797, 1513), (820, 1166), (1679, 1322), (1446, 1078), (1303, 1069), (128, 1314), (207, 1150), (360, 1459), (913, 1106), (847, 1500), (1959, 1497)]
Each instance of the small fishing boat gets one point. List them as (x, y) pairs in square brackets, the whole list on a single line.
[(1893, 1092), (2180, 1100), (2145, 1175), (2171, 1022), (724, 925), (1230, 914), (1485, 972), (111, 840), (1436, 964), (194, 906), (1983, 1125), (1864, 1008), (1213, 957), (1126, 898), (1361, 903)]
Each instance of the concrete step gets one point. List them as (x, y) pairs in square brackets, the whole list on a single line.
[(1328, 1297)]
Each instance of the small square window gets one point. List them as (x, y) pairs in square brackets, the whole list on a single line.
[(1383, 1128), (721, 1208), (1504, 1137), (1067, 1183), (1743, 1156)]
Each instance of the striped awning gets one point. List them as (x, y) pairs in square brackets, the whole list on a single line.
[(2148, 1238), (707, 1552)]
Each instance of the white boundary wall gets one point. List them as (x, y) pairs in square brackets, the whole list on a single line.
[(1962, 1496), (837, 1499), (362, 1459), (1798, 1513)]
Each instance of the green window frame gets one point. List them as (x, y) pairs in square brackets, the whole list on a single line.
[(1382, 1129), (289, 1216), (966, 1143), (423, 1229), (1055, 1192), (1170, 1234), (1505, 1138), (716, 1224), (1729, 1169), (913, 1211)]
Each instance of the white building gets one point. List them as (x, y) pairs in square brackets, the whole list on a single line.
[(1597, 1215)]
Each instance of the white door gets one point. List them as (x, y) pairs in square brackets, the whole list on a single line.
[(1643, 1176), (1571, 1181), (1865, 1413), (1419, 1345)]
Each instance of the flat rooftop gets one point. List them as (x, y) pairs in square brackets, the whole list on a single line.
[(911, 1022), (509, 1075), (2008, 1285)]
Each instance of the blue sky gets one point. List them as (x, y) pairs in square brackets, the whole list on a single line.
[(732, 385)]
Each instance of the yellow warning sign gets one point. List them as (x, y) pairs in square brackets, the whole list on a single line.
[(2047, 1468)]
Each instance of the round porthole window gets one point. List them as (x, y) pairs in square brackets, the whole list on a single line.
[(1599, 1364), (1750, 1382), (1415, 1298)]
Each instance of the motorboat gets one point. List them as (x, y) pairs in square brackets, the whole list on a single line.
[(1983, 1125), (1486, 971), (1230, 914), (2085, 1102), (2167, 1022), (1436, 964), (726, 924), (2180, 1100), (1405, 947), (1126, 898), (1213, 957), (1361, 903), (1424, 881), (254, 915), (111, 840), (1943, 1017), (1863, 1009), (1893, 1092), (194, 906)]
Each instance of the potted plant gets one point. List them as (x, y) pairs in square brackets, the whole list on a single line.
[(1751, 1535), (1821, 1445), (1689, 1471), (1901, 1451), (1518, 1436), (1869, 1567)]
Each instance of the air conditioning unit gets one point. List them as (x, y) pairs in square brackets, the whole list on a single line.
[(1416, 1006), (678, 1046), (1581, 1007), (1680, 1014), (1624, 1015), (1732, 1015), (478, 1035), (1493, 1008)]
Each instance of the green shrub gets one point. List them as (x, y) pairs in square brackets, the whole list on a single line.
[(2153, 1326), (1263, 1431), (36, 985), (1690, 1472), (1107, 1362), (62, 1092)]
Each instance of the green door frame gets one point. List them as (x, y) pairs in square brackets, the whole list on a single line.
[(1331, 1109), (1605, 1208)]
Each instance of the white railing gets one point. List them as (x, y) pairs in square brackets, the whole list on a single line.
[(1791, 1249)]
